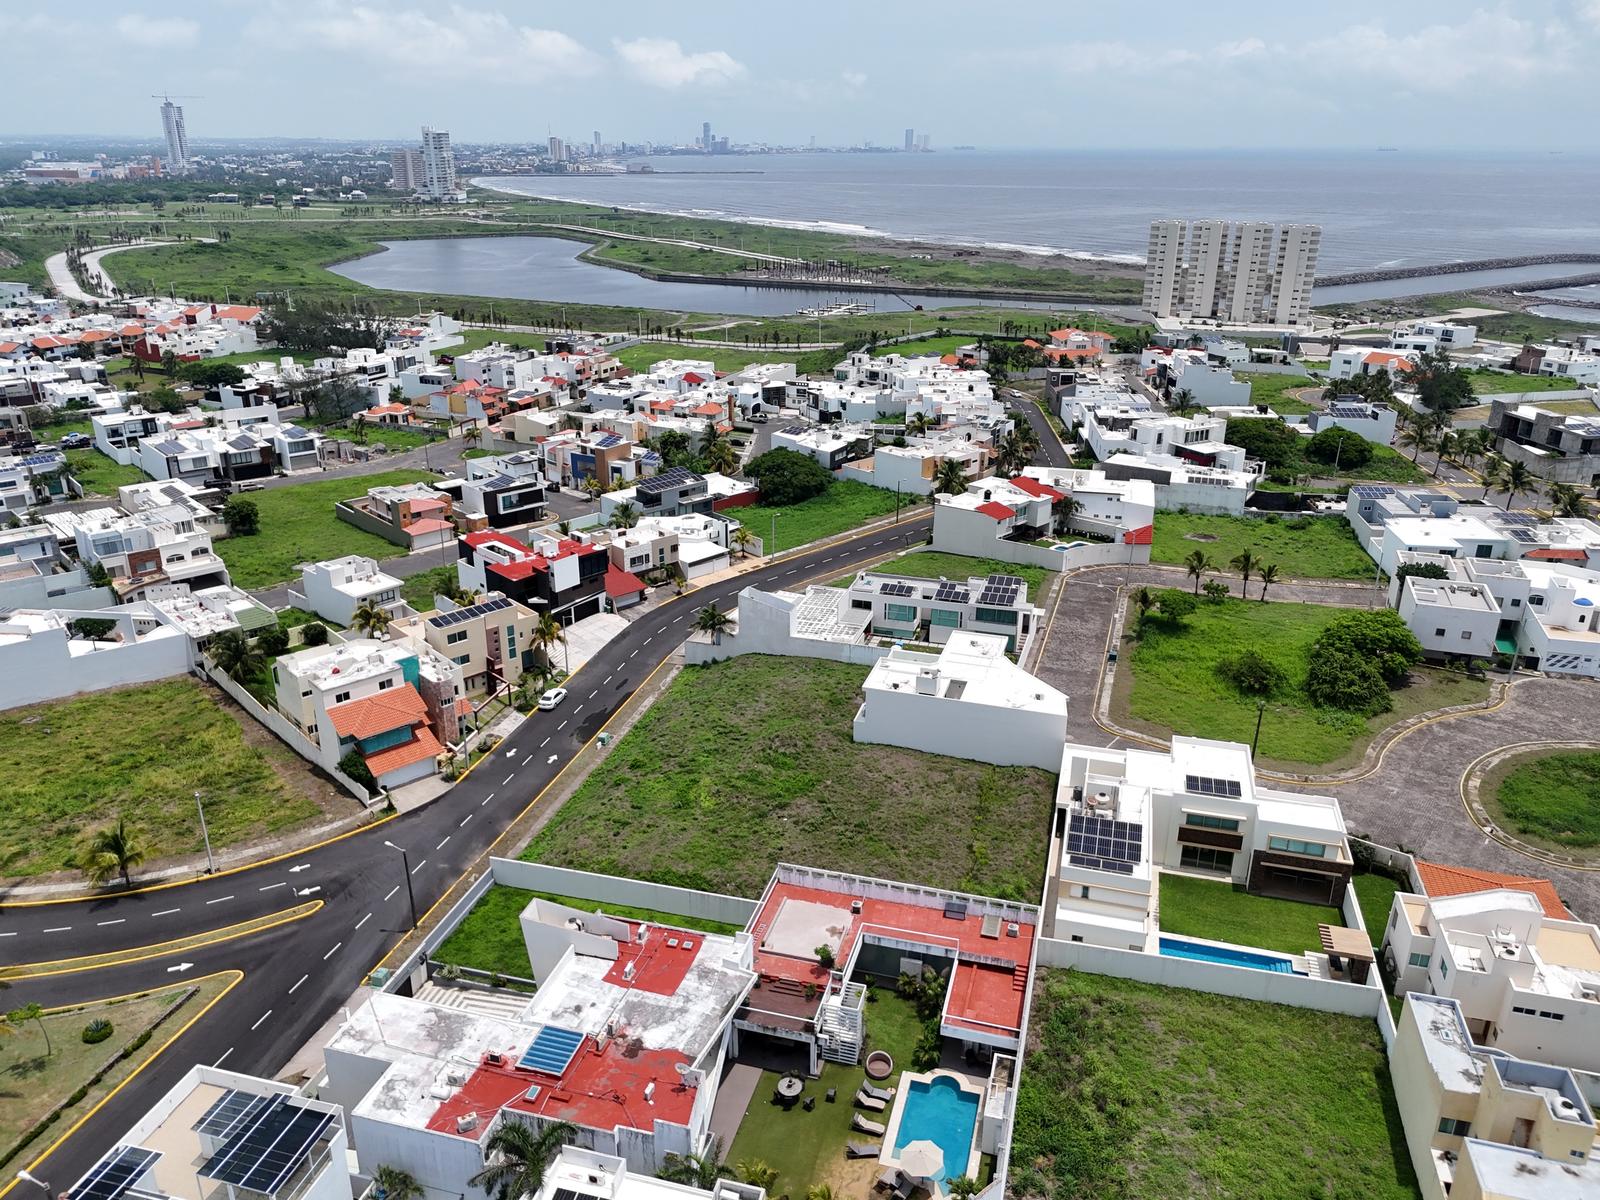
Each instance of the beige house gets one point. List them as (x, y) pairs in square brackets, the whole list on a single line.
[(490, 643)]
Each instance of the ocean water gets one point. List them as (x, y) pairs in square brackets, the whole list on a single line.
[(1376, 209)]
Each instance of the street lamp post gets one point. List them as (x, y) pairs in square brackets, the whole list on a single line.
[(774, 547), (1261, 711), (405, 865), (204, 833), (24, 1177)]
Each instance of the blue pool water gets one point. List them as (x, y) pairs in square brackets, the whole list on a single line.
[(1178, 948), (943, 1112)]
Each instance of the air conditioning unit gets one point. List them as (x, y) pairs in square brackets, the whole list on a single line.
[(1013, 930), (494, 1058), (455, 1078), (467, 1122)]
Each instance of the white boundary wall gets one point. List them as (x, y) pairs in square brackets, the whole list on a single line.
[(610, 889)]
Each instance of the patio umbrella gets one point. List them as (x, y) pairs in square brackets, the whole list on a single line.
[(922, 1159)]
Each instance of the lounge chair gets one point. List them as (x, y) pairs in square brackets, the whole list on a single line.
[(870, 1102), (863, 1149), (888, 1178), (861, 1125), (877, 1093)]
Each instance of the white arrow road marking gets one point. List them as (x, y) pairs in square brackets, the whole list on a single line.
[(301, 867), (179, 969), (310, 891), (552, 759)]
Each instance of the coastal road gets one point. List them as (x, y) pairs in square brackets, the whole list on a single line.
[(297, 975)]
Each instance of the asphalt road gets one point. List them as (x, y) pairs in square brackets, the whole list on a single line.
[(1050, 453), (296, 975)]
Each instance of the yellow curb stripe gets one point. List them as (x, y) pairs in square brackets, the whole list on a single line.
[(238, 977), (1519, 847), (134, 954)]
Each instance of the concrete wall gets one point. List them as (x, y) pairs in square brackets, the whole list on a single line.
[(611, 889), (40, 667), (970, 538), (65, 589), (361, 519), (1297, 991), (989, 733)]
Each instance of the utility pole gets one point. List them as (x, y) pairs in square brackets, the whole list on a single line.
[(204, 833), (1261, 711), (405, 865)]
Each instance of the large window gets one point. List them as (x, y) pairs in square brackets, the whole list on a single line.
[(1207, 858), (905, 614), (997, 616), (945, 616), (1296, 846), (1420, 960), (1207, 821), (1451, 1127)]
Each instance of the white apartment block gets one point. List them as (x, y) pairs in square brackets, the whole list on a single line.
[(177, 138), (335, 588), (439, 167), (969, 702), (406, 171), (1527, 984), (911, 468), (1447, 335), (1482, 1124), (1249, 273), (1194, 807)]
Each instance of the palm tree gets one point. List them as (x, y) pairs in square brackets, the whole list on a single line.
[(1493, 473), (547, 633), (591, 487), (1567, 501), (713, 621), (370, 619), (235, 655), (1245, 563), (32, 1012), (625, 516), (757, 1173), (917, 426), (1416, 438), (1011, 456), (1183, 404), (1269, 576), (962, 1188), (696, 1170), (1063, 510), (111, 851), (1197, 563), (517, 1156), (564, 528), (391, 1183), (721, 457), (1445, 447), (742, 538), (950, 478), (1516, 477), (1145, 600)]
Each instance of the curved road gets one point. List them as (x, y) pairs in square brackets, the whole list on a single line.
[(296, 975)]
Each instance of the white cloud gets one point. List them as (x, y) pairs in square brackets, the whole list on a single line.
[(1481, 47), (662, 62), (158, 33), (457, 41)]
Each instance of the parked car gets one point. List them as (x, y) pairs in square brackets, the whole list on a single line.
[(248, 486), (76, 441), (552, 698)]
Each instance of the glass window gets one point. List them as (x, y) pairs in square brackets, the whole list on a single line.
[(462, 660), (1444, 968), (1451, 1127), (1420, 960), (945, 616), (1206, 821), (385, 684), (340, 697), (904, 613), (997, 616), (1207, 858), (452, 639), (1296, 846)]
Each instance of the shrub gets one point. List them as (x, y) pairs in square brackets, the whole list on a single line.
[(1422, 571), (1175, 604), (1253, 673), (1357, 658), (355, 767), (1215, 591), (96, 1031), (1342, 446), (242, 516), (788, 477), (1352, 684), (314, 633), (273, 641)]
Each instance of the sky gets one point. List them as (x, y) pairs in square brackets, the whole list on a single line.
[(1106, 76)]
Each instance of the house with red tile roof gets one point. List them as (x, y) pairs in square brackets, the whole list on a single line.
[(1440, 880)]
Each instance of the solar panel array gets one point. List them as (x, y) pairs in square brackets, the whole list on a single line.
[(1524, 535), (1104, 844), (952, 593), (1202, 785), (895, 587), (552, 1051), (1347, 409), (1517, 518), (228, 1115), (114, 1175), (1000, 591), (269, 1148), (456, 617), (670, 478), (1371, 491), (608, 440)]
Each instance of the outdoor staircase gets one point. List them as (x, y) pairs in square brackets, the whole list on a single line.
[(505, 1005), (1019, 978), (841, 1027)]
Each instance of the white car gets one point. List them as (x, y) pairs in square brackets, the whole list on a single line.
[(551, 699)]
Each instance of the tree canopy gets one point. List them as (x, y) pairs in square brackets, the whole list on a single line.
[(321, 328), (788, 477), (1357, 658), (1336, 444), (1273, 442)]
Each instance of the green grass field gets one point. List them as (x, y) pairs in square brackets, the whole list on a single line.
[(298, 525), (1173, 685), (843, 507), (1305, 548), (1554, 798), (750, 762), (1375, 895), (949, 344), (1132, 1091), (1494, 383), (490, 937), (1387, 465), (1215, 909), (380, 435), (642, 357), (1274, 390), (98, 474), (170, 739)]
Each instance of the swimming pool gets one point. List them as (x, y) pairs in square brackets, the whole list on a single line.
[(943, 1112), (1226, 955)]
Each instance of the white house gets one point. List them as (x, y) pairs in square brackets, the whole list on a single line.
[(1375, 422), (1363, 360), (1450, 335), (910, 469), (335, 588), (970, 702), (1450, 618)]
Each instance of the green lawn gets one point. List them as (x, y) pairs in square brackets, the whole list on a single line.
[(380, 435), (1217, 910), (1274, 390), (298, 525), (1554, 798), (1375, 894), (949, 344), (642, 357), (1172, 685), (1302, 548), (490, 936), (807, 1148), (293, 618), (170, 739), (1132, 1091), (935, 564), (1495, 383), (1387, 465), (750, 762), (419, 590), (843, 507), (100, 475)]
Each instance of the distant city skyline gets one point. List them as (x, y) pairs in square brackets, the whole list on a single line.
[(1233, 74)]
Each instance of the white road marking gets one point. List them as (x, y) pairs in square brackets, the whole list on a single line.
[(331, 953), (11, 933), (663, 629), (392, 891), (444, 843), (608, 680), (508, 779), (363, 920), (419, 866), (298, 982), (261, 1018), (561, 726), (270, 886), (219, 1061), (464, 820), (544, 743), (647, 641), (594, 693), (60, 929), (220, 900), (577, 710), (527, 760), (631, 655), (118, 921), (166, 912)]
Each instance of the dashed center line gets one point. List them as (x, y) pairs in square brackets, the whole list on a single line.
[(259, 1019), (220, 900), (118, 921), (419, 866), (392, 891), (609, 678), (331, 952), (560, 727), (663, 629), (166, 912), (219, 1061), (631, 655), (594, 693), (270, 886), (544, 743), (60, 929), (444, 843), (647, 641), (508, 779), (9, 933), (527, 760), (464, 820), (363, 920), (298, 982)]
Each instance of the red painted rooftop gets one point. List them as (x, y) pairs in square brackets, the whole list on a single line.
[(1030, 485)]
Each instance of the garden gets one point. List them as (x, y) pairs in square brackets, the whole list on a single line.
[(1299, 547), (1220, 911), (1550, 799)]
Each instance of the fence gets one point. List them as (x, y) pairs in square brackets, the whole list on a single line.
[(609, 889), (287, 733), (1246, 983), (1388, 857)]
